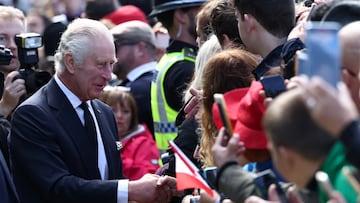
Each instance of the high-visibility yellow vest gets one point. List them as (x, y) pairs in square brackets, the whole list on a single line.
[(163, 115)]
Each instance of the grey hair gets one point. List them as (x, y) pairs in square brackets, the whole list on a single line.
[(206, 51), (77, 39)]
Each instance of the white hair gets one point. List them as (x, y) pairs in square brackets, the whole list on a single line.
[(77, 39), (206, 51)]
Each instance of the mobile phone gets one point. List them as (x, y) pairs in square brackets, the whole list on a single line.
[(273, 85), (312, 9), (262, 182), (323, 51), (322, 179), (210, 176), (181, 114), (219, 99)]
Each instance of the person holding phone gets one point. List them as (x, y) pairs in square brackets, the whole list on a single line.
[(299, 151), (225, 71)]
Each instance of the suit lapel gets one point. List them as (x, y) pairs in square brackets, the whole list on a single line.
[(70, 121)]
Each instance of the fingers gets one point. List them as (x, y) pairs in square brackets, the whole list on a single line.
[(273, 195), (193, 106), (10, 77), (336, 197), (293, 195), (297, 81), (169, 184), (221, 139), (234, 143), (255, 199)]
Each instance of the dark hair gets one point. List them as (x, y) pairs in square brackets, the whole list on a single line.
[(166, 18), (223, 21), (276, 16), (321, 9), (204, 20), (96, 9), (288, 123)]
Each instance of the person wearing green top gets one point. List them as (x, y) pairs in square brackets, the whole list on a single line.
[(300, 148)]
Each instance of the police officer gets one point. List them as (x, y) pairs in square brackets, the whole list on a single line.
[(175, 68)]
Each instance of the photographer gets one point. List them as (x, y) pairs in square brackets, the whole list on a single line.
[(12, 22)]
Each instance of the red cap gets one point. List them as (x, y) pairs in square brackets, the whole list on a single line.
[(126, 13), (245, 108)]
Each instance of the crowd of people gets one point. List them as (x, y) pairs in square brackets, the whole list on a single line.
[(127, 77)]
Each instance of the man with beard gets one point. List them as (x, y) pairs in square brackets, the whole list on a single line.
[(175, 68), (136, 59)]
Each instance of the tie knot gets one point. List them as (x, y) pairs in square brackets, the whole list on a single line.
[(84, 106)]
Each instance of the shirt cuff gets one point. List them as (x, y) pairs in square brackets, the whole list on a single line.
[(122, 191)]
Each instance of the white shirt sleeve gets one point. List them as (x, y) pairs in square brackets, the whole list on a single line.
[(122, 191)]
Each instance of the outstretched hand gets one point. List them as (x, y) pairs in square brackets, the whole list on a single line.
[(225, 150)]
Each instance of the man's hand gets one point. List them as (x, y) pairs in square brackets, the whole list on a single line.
[(225, 150), (152, 188), (331, 109), (167, 186), (13, 90)]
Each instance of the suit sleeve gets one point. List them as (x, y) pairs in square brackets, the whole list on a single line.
[(40, 172)]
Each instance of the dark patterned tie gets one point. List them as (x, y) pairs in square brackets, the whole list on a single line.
[(90, 128)]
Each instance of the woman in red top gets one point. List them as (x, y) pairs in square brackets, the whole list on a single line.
[(139, 152)]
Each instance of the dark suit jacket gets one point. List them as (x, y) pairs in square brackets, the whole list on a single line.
[(7, 188), (50, 153), (140, 89)]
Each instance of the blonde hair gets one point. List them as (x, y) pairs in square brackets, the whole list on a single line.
[(9, 13)]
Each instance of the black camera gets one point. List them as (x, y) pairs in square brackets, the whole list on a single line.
[(5, 55), (27, 45)]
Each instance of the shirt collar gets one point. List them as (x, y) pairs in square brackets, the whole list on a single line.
[(138, 71), (273, 59), (74, 100)]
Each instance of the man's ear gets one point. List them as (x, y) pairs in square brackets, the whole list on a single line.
[(179, 15), (140, 49), (347, 78), (249, 22), (69, 62)]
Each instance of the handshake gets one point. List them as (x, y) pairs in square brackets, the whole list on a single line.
[(153, 188)]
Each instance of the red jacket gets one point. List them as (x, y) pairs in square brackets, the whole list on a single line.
[(139, 154)]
